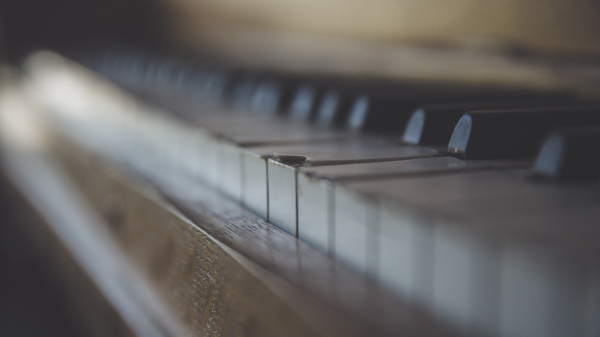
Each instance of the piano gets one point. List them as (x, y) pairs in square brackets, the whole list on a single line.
[(319, 169)]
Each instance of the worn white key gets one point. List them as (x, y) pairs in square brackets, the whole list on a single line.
[(355, 226), (331, 153), (254, 182), (503, 261), (314, 182)]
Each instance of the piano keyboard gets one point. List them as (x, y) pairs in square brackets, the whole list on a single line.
[(473, 203)]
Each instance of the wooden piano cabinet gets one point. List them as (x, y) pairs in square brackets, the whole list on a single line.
[(182, 260), (206, 288)]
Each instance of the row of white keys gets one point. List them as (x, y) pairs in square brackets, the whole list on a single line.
[(488, 252), (244, 170), (317, 202), (282, 169)]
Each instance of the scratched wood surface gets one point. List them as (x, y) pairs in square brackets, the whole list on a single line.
[(227, 272)]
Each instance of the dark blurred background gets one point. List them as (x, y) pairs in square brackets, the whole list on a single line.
[(68, 25), (33, 298), (32, 302)]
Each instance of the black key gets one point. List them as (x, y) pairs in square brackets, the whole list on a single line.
[(277, 93), (571, 154), (307, 99), (434, 124), (515, 133), (243, 90), (305, 102), (209, 87), (333, 106), (377, 112), (265, 99), (341, 99), (389, 111)]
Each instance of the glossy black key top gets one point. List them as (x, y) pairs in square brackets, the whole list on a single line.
[(334, 106), (274, 94), (305, 102), (278, 93), (389, 111), (433, 124), (243, 91), (307, 99), (571, 154), (504, 134), (342, 99)]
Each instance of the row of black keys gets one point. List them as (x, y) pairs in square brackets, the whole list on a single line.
[(473, 121)]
